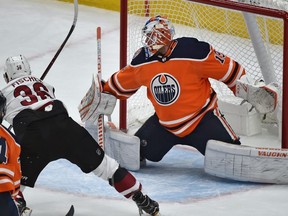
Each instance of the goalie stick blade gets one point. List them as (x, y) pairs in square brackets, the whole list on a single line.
[(71, 211)]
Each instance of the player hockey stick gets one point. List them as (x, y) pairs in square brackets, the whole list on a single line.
[(62, 45), (100, 120), (71, 211), (64, 42)]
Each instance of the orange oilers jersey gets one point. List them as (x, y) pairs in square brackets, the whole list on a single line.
[(10, 172), (177, 82)]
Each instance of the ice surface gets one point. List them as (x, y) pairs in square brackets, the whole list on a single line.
[(36, 29)]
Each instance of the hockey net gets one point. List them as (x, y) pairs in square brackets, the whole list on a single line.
[(251, 33)]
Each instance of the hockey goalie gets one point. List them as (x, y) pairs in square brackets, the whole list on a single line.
[(177, 80), (125, 148)]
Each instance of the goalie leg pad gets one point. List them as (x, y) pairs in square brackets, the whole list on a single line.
[(245, 163), (124, 148)]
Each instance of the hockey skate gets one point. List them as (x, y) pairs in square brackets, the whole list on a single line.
[(146, 204), (21, 205)]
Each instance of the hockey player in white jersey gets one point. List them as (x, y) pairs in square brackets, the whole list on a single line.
[(47, 133)]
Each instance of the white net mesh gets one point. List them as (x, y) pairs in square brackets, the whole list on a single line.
[(224, 29)]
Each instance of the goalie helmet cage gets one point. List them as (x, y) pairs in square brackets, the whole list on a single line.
[(229, 26)]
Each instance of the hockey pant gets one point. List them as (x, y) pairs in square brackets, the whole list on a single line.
[(156, 141)]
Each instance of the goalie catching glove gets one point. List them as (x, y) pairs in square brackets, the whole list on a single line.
[(263, 97), (96, 102)]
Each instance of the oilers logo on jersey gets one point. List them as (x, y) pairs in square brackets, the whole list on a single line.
[(165, 89)]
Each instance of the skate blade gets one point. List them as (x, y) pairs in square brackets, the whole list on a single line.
[(142, 213), (156, 214)]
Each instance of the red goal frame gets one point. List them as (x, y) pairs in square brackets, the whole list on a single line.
[(224, 4)]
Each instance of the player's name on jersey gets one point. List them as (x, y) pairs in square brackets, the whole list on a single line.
[(25, 79)]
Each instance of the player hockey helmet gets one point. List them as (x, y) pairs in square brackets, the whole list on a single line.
[(157, 32), (15, 67), (2, 106)]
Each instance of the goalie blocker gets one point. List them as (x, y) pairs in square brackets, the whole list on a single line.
[(244, 163)]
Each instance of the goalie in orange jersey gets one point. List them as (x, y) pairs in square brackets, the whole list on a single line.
[(176, 73)]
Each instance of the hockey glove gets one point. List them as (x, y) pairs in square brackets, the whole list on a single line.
[(263, 97), (96, 103)]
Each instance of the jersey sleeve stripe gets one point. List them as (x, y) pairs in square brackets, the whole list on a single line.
[(233, 75), (17, 183), (118, 89), (6, 184), (114, 89), (7, 172), (231, 85), (228, 72), (121, 88), (6, 180)]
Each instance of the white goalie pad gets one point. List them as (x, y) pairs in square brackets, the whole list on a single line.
[(262, 97), (244, 163), (96, 103), (124, 148)]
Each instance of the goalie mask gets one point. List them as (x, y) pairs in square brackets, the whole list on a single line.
[(157, 32), (15, 67)]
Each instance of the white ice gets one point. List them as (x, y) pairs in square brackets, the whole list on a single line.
[(36, 29)]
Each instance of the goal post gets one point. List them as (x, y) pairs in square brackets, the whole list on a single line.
[(228, 26), (123, 59)]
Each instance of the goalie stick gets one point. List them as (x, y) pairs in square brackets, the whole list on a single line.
[(90, 102), (124, 148), (100, 120)]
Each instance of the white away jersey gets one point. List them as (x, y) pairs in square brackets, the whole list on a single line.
[(26, 92)]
